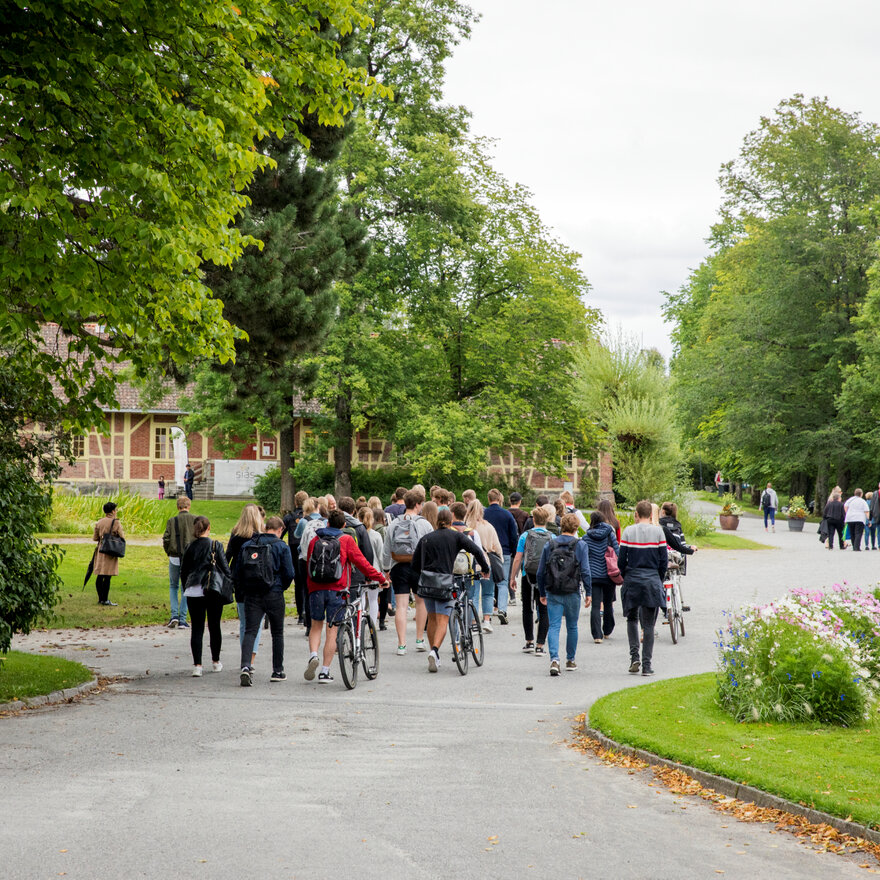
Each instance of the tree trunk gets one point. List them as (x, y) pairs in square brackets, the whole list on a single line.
[(342, 448), (738, 490), (285, 456), (821, 494)]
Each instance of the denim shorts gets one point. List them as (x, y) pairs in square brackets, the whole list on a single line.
[(329, 603), (439, 606)]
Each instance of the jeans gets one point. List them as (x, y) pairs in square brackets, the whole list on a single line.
[(529, 600), (241, 628), (558, 604), (211, 606), (648, 618), (488, 591), (178, 607), (602, 621), (502, 592), (272, 605), (871, 536), (769, 512)]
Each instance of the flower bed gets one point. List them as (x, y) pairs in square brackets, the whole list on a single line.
[(813, 655)]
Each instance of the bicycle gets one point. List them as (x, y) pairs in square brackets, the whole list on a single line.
[(357, 641), (465, 629), (674, 607)]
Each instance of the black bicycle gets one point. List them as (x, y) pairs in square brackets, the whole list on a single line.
[(357, 641), (465, 629)]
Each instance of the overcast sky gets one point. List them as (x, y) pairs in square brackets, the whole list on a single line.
[(618, 116)]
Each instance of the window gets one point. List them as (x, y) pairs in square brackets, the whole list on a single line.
[(568, 460), (163, 449), (78, 446), (268, 447)]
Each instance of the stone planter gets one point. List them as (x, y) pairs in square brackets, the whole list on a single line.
[(796, 523), (729, 523)]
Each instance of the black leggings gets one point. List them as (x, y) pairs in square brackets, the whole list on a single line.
[(384, 603), (602, 621), (199, 606), (531, 598), (835, 526), (102, 585), (302, 594)]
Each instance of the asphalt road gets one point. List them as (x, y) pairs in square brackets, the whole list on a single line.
[(410, 776)]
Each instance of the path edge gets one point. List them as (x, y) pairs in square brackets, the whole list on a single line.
[(738, 790), (62, 696)]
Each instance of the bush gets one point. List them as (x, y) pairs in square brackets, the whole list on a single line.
[(267, 489), (77, 514), (813, 656)]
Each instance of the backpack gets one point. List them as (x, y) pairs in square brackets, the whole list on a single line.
[(553, 528), (256, 569), (325, 563), (765, 499), (563, 570), (404, 540), (464, 561), (535, 542)]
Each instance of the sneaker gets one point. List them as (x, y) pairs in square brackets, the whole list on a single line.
[(487, 627), (383, 627), (183, 625), (324, 677), (421, 645), (554, 667), (278, 676), (570, 665), (598, 641), (539, 649), (309, 674), (245, 677), (634, 667), (502, 617), (433, 662), (216, 666), (511, 601), (172, 623), (197, 672), (401, 650), (529, 648), (646, 670)]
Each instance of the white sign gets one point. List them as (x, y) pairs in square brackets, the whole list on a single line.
[(568, 486), (237, 477)]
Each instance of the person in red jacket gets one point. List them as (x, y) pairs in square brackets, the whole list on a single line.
[(325, 595)]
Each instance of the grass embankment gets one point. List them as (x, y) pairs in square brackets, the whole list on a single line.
[(727, 541), (29, 675), (836, 770)]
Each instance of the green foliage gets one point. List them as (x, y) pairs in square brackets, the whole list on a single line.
[(797, 507), (729, 505), (28, 675), (267, 490), (77, 514)]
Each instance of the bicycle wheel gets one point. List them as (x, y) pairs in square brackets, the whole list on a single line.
[(345, 648), (458, 638), (679, 605), (671, 618), (369, 648), (476, 633)]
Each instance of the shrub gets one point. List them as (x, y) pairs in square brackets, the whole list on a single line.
[(267, 489), (729, 506), (77, 514), (813, 656)]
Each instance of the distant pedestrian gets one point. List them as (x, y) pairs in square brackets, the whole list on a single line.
[(835, 514), (719, 481), (856, 514), (106, 566), (606, 508), (521, 516), (161, 487), (508, 536), (189, 476), (178, 536), (598, 538), (875, 517), (769, 504)]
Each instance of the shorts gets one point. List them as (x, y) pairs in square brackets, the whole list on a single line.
[(439, 606), (403, 579), (327, 602)]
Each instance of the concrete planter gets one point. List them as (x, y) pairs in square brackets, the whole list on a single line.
[(729, 523)]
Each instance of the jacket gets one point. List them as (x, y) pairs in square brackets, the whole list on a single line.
[(178, 537), (771, 497), (233, 548), (106, 565), (674, 535), (597, 540), (365, 545), (580, 552), (196, 562), (437, 551), (505, 526), (282, 561), (350, 555), (834, 511), (643, 561)]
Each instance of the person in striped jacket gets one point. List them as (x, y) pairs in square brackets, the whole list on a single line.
[(643, 561)]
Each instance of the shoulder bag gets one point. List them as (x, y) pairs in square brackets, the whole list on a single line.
[(436, 585), (614, 574), (496, 564), (112, 545), (219, 582)]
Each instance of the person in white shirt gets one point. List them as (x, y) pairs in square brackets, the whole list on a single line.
[(856, 514)]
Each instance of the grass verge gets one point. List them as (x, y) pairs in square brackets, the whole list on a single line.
[(30, 675), (727, 541), (836, 770)]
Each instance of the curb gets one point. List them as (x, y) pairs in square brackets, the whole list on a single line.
[(64, 696), (739, 790)]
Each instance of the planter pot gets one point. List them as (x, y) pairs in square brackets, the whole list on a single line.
[(796, 524), (729, 523)]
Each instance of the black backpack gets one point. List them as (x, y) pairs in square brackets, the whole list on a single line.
[(765, 499), (256, 569), (563, 570), (325, 563)]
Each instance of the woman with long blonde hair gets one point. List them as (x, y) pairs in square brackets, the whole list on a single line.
[(489, 542), (250, 524), (429, 512)]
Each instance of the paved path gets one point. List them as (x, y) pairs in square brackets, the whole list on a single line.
[(411, 776)]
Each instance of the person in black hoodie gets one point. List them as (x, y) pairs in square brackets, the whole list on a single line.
[(835, 515), (436, 552), (672, 529), (599, 536)]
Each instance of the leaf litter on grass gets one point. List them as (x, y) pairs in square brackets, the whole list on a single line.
[(819, 836)]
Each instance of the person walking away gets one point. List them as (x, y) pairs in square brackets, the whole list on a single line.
[(874, 507), (516, 511), (643, 561), (397, 508), (598, 538), (401, 538), (855, 514), (365, 515), (357, 530), (249, 525), (433, 564), (177, 537), (606, 508), (106, 566), (202, 556), (769, 504), (835, 515), (568, 500), (189, 476), (490, 544), (161, 487), (529, 549), (564, 568), (332, 553), (508, 536), (291, 521), (263, 572), (315, 512)]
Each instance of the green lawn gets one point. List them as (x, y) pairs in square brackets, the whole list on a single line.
[(728, 541), (141, 589), (29, 675), (836, 770)]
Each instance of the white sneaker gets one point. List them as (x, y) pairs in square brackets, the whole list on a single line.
[(197, 672), (433, 661), (401, 650), (487, 627), (421, 645), (217, 665)]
